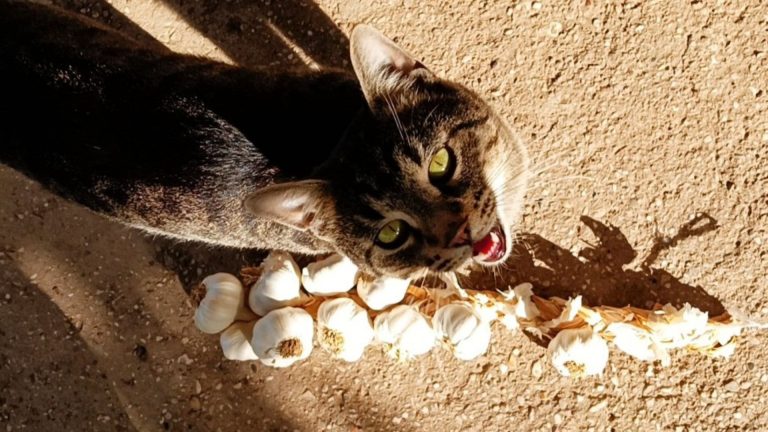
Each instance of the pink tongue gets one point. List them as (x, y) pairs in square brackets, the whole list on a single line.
[(485, 245)]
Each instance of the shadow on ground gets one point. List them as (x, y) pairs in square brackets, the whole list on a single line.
[(268, 31), (287, 33), (598, 271)]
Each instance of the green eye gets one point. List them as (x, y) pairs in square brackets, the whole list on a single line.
[(393, 234), (441, 166)]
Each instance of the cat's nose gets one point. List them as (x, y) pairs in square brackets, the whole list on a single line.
[(461, 236)]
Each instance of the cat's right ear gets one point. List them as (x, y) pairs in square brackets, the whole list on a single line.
[(303, 205), (382, 67)]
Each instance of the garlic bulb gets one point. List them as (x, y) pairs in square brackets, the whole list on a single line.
[(333, 275), (463, 330), (283, 337), (236, 342), (223, 304), (383, 292), (343, 328), (637, 342), (578, 352), (405, 332), (279, 284)]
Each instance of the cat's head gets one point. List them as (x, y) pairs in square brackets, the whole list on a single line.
[(427, 176)]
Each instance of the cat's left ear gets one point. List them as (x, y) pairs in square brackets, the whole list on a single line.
[(304, 205), (382, 67)]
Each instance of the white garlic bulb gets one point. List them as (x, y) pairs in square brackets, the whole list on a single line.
[(382, 292), (405, 332), (333, 275), (279, 284), (283, 336), (579, 352), (343, 328), (462, 330), (236, 342), (223, 304)]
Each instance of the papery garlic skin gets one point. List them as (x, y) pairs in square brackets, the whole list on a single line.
[(405, 332), (677, 328), (344, 328), (463, 330), (236, 342), (224, 302), (333, 275), (279, 284), (508, 316), (380, 293), (521, 297), (578, 352), (572, 307), (283, 336), (637, 342)]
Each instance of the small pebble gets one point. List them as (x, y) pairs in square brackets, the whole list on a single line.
[(558, 419), (537, 369), (555, 28), (598, 407), (194, 403)]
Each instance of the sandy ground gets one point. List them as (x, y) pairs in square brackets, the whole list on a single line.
[(648, 125)]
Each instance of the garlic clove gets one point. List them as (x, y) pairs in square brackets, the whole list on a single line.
[(236, 342), (283, 336), (578, 352), (382, 292), (463, 330), (405, 332), (279, 284), (343, 328), (333, 275), (223, 304)]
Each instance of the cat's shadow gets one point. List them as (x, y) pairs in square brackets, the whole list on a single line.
[(600, 273)]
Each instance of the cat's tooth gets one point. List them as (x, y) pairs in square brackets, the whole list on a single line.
[(343, 328), (405, 332), (223, 304), (333, 275), (283, 336), (279, 284), (463, 331), (382, 292), (236, 342)]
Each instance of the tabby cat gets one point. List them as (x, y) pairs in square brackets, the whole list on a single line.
[(396, 168)]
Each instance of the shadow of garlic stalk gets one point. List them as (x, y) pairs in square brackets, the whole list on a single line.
[(265, 315)]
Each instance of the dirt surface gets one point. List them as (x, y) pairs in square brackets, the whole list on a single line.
[(647, 123)]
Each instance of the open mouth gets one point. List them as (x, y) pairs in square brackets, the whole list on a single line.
[(491, 248)]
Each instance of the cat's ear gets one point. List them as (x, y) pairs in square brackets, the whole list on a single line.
[(382, 67), (303, 205)]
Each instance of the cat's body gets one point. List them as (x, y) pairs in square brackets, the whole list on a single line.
[(304, 161), (165, 142)]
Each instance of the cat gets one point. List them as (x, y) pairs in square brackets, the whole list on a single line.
[(399, 170)]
